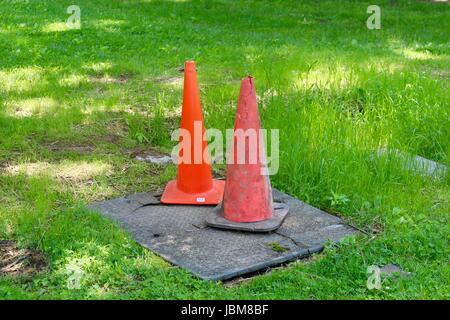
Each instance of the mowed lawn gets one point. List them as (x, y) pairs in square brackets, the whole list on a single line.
[(77, 106)]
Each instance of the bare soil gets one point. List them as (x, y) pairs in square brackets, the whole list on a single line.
[(19, 262)]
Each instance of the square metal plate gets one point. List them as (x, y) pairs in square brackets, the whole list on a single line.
[(178, 233), (217, 220)]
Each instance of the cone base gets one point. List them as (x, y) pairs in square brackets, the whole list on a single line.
[(173, 195), (217, 220)]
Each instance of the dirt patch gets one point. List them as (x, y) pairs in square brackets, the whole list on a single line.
[(168, 80), (142, 151), (19, 262), (105, 79), (61, 146), (115, 132), (124, 77), (443, 74)]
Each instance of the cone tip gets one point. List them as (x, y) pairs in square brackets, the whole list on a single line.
[(248, 81), (189, 66)]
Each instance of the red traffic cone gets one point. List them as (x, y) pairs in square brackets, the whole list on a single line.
[(194, 183), (247, 203)]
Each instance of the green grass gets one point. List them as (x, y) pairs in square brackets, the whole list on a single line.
[(74, 104)]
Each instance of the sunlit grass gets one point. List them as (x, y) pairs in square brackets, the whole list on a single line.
[(67, 170), (20, 79), (417, 55), (98, 67), (73, 80), (30, 107), (336, 77), (76, 106), (55, 27)]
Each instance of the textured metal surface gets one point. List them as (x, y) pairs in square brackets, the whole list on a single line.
[(216, 219), (179, 234)]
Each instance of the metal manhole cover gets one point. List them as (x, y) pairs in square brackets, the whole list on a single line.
[(179, 234)]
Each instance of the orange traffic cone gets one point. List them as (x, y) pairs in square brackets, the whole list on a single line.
[(194, 183), (247, 202)]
